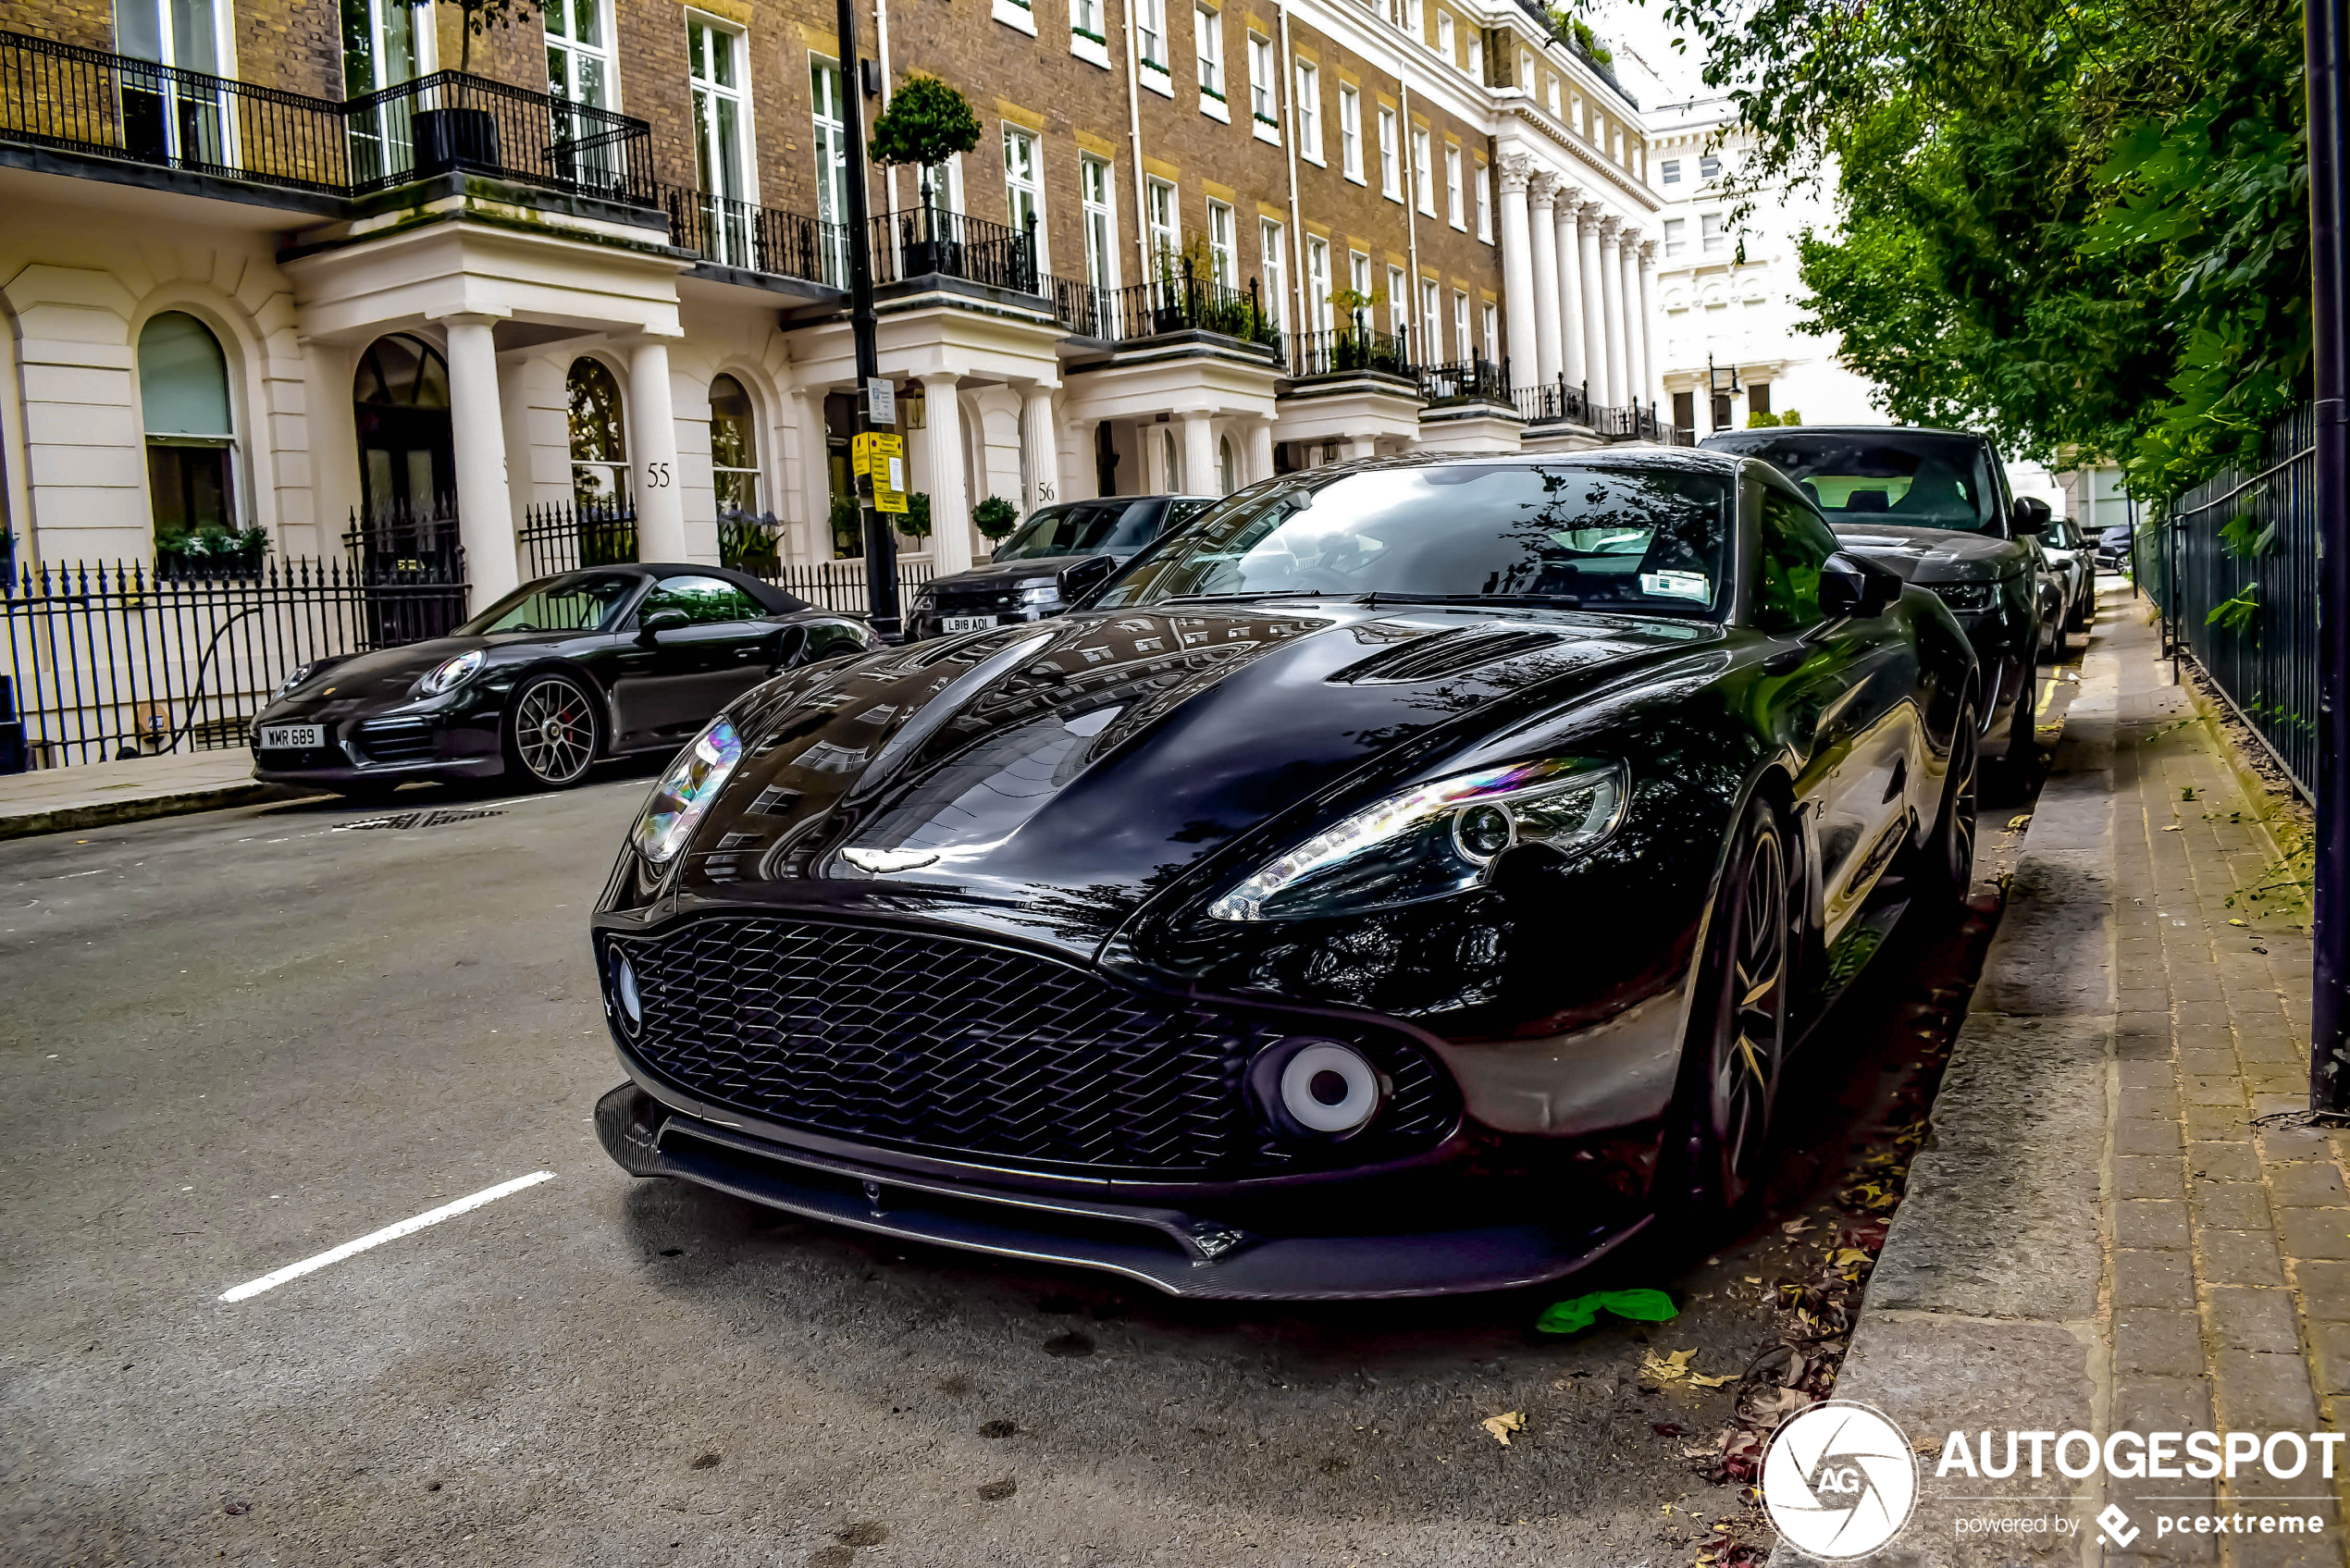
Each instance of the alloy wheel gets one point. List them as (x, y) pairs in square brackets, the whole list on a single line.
[(554, 731), (1753, 1035), (1959, 805)]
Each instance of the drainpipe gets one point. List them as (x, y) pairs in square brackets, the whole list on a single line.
[(1134, 134), (1411, 202), (881, 39), (1284, 92)]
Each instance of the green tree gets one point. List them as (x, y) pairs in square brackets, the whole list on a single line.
[(476, 18), (926, 123)]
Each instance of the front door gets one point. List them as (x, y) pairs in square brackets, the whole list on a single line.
[(400, 399)]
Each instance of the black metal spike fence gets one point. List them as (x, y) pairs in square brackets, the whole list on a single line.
[(565, 535), (110, 660), (2235, 574)]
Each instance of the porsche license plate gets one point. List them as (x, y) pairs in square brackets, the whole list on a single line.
[(292, 738), (965, 623)]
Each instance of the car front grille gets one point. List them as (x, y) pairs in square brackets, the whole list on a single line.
[(994, 601), (396, 740), (966, 1049)]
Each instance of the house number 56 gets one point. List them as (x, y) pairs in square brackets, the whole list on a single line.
[(657, 476)]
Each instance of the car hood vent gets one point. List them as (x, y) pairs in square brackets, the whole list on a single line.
[(1446, 653)]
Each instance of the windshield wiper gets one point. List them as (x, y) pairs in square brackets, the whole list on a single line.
[(1265, 593), (1545, 602)]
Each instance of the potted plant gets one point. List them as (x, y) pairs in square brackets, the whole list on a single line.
[(915, 523), (211, 551), (459, 135), (995, 518), (927, 122), (848, 527)]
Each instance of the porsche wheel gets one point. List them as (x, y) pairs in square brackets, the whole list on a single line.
[(1719, 1130), (1950, 853), (551, 731)]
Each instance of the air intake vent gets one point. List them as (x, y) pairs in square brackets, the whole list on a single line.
[(1445, 653)]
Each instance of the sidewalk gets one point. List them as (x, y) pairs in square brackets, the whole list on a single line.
[(93, 794), (2095, 1236)]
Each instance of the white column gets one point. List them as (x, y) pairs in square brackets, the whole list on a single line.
[(1354, 449), (950, 521), (477, 448), (1570, 247), (1260, 451), (1150, 444), (1635, 364), (1517, 268), (1649, 368), (1619, 384), (1199, 453), (652, 435), (1595, 316), (1541, 192), (1083, 481), (1040, 449)]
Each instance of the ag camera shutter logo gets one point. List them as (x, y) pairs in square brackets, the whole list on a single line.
[(1840, 1480)]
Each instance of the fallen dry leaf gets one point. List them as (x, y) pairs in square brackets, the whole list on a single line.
[(1667, 1369), (2239, 922), (1700, 1381), (1504, 1424), (1795, 1226), (2017, 825), (1850, 1254), (2176, 827), (1771, 1406)]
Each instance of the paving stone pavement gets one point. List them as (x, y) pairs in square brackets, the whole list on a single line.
[(90, 794), (2096, 1234)]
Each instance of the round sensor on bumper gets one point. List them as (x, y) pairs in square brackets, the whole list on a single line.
[(1317, 1088), (631, 1002)]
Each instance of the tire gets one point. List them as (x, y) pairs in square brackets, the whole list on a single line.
[(1949, 852), (1718, 1128), (553, 732)]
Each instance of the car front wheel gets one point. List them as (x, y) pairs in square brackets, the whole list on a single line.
[(551, 731), (1949, 853)]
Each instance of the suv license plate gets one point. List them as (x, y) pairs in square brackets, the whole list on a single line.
[(965, 623), (292, 738)]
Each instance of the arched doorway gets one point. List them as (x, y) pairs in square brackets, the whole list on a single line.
[(401, 399)]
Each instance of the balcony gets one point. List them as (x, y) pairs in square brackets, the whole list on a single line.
[(1465, 381), (1180, 302), (1358, 349), (741, 237), (89, 104), (929, 241)]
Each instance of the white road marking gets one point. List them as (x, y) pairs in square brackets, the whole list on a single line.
[(389, 1234)]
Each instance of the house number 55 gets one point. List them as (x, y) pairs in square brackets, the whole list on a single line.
[(657, 476)]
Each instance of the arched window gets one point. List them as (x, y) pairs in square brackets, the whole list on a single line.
[(183, 398), (1225, 472), (1174, 460), (734, 447), (599, 442), (400, 395)]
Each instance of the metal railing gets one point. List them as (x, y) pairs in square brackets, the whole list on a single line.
[(1465, 381), (2237, 582), (926, 239), (839, 586), (110, 660), (82, 99), (757, 238), (565, 535), (1182, 299), (1554, 399), (1352, 350)]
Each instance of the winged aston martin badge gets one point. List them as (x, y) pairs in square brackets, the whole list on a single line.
[(884, 860)]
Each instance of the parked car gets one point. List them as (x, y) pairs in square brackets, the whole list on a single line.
[(2113, 546), (541, 685), (1934, 505), (1410, 877), (1048, 561), (2068, 552)]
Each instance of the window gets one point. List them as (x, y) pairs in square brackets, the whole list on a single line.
[(832, 166), (1455, 212), (1492, 332), (1758, 397), (1709, 168), (1094, 191), (1085, 17), (1318, 283), (1227, 469), (1399, 302), (1484, 202), (1554, 85), (734, 449), (1525, 77), (1390, 162), (1670, 170), (1431, 324), (1423, 174), (1310, 112), (1260, 80), (599, 433), (1207, 37), (1619, 146), (405, 460), (1413, 22), (1677, 235), (1268, 263), (714, 76), (1350, 133), (1685, 412), (1024, 186), (382, 46), (1711, 235), (1150, 32), (1795, 548), (704, 601), (183, 401), (1358, 275), (1476, 55), (1444, 34), (579, 58), (1462, 349), (1219, 242), (1166, 226)]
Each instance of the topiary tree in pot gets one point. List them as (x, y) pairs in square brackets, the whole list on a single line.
[(927, 122)]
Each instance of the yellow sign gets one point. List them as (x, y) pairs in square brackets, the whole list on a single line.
[(882, 458)]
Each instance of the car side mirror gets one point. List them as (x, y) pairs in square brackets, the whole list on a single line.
[(649, 630), (1083, 577), (2032, 517), (1855, 588)]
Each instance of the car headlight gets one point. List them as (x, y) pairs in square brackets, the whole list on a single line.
[(449, 674), (1434, 839), (686, 791), (1040, 593), (301, 673), (1963, 596)]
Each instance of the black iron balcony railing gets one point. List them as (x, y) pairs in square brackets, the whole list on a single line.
[(81, 99), (926, 239), (1182, 299), (757, 238), (1553, 401), (1466, 380), (1350, 350)]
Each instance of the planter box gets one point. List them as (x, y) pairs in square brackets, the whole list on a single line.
[(446, 139)]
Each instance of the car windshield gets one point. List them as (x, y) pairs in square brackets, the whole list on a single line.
[(1083, 528), (578, 602), (1645, 537), (1908, 476)]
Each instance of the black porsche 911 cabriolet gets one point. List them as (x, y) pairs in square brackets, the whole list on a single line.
[(543, 683), (1406, 877)]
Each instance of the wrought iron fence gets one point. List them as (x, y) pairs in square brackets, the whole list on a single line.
[(565, 535), (82, 99), (1182, 299), (839, 586), (927, 239), (1466, 380), (1349, 350), (1554, 399), (757, 238), (111, 660), (2237, 581)]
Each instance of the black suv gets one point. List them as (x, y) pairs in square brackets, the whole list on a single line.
[(1059, 552), (1934, 506)]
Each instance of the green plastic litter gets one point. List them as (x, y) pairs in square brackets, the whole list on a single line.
[(1573, 1316)]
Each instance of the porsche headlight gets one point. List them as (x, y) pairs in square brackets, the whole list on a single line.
[(685, 792), (1434, 839), (301, 673), (449, 674)]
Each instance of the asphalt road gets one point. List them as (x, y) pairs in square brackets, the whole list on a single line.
[(233, 1041)]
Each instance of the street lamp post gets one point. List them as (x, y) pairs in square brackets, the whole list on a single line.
[(880, 538), (2324, 24)]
